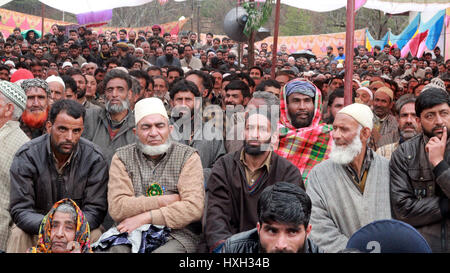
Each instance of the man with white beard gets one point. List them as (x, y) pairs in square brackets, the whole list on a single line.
[(157, 181), (351, 188)]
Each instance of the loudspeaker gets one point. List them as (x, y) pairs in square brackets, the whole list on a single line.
[(234, 24)]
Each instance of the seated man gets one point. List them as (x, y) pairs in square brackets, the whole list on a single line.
[(420, 172), (12, 104), (304, 139), (238, 178), (157, 181), (57, 165), (351, 188), (63, 230), (283, 225)]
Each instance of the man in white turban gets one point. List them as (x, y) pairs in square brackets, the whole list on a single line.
[(157, 181), (351, 188)]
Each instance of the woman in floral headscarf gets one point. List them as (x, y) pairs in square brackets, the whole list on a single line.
[(64, 230)]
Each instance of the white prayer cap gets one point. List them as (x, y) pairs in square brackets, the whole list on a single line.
[(83, 64), (57, 79), (67, 64), (11, 63), (149, 106), (121, 68), (359, 112), (367, 90)]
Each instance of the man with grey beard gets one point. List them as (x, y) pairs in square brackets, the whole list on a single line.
[(408, 124), (156, 181), (112, 127), (351, 188)]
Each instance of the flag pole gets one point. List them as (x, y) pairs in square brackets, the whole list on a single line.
[(349, 52), (275, 39)]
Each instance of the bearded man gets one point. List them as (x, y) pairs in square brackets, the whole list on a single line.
[(238, 179), (35, 115), (168, 59), (351, 188), (157, 181), (112, 127), (57, 165)]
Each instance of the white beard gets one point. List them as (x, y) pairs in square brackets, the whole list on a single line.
[(153, 150), (344, 155)]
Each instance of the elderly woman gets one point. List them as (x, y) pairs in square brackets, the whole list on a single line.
[(64, 230)]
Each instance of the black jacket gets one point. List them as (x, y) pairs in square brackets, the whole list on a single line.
[(420, 192), (230, 206), (248, 242), (36, 184)]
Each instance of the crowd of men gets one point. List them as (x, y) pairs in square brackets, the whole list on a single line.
[(115, 139)]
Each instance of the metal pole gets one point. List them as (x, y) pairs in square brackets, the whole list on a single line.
[(349, 39), (42, 20), (275, 39), (198, 21)]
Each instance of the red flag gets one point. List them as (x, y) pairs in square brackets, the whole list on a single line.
[(175, 30), (415, 42)]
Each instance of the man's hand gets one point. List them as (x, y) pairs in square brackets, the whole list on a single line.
[(130, 224), (73, 247), (165, 200), (436, 148)]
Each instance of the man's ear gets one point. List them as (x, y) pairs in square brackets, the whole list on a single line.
[(308, 229), (170, 129), (258, 227), (365, 133), (134, 130), (48, 126), (246, 100)]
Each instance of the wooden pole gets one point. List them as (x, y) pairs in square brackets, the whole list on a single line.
[(251, 47), (42, 19), (349, 52), (275, 39)]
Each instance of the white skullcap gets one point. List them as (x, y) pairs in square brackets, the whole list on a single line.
[(83, 64), (367, 90), (10, 62), (67, 64), (149, 106), (359, 112), (121, 68), (57, 79)]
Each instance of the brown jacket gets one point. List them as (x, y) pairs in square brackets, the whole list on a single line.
[(231, 207), (420, 192)]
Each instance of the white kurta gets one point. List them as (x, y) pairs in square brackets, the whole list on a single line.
[(338, 207)]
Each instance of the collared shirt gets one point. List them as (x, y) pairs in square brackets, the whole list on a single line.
[(252, 176), (360, 180), (56, 161)]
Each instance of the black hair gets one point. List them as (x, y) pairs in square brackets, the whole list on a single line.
[(270, 82), (69, 82), (285, 203), (258, 68), (71, 107), (207, 80), (337, 93), (139, 74), (431, 97), (116, 73), (175, 68), (239, 85), (184, 85), (245, 76)]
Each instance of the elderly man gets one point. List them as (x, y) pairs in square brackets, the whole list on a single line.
[(304, 139), (57, 165), (283, 225), (57, 88), (385, 125), (408, 124), (35, 114), (12, 103), (420, 172), (351, 188), (364, 96), (112, 127), (238, 178), (157, 181)]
